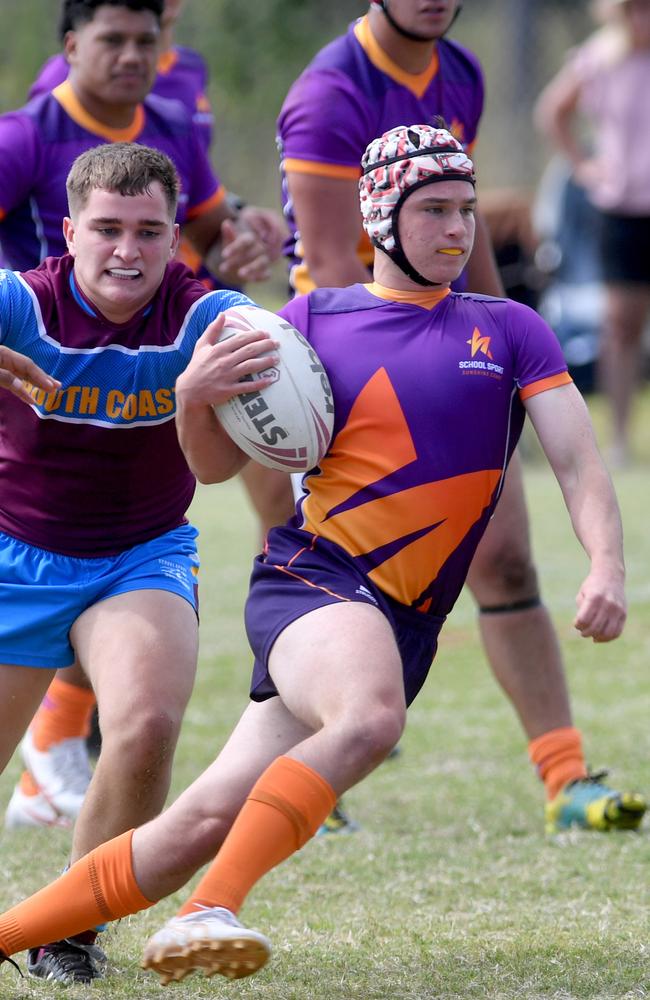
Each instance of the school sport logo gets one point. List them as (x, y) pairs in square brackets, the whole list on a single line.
[(480, 345)]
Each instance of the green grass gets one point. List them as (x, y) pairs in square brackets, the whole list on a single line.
[(450, 890)]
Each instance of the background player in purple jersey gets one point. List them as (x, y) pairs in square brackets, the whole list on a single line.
[(98, 561), (182, 75), (396, 64), (373, 560), (112, 50)]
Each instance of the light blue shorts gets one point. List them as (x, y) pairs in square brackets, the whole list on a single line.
[(43, 593)]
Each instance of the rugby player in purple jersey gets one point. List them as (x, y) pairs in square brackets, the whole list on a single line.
[(398, 64), (348, 599)]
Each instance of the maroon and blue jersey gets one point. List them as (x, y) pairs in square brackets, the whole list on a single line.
[(39, 143), (428, 409), (182, 76), (95, 467), (352, 92)]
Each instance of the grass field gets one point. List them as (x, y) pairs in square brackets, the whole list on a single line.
[(451, 889)]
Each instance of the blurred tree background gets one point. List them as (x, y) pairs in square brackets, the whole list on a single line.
[(255, 51)]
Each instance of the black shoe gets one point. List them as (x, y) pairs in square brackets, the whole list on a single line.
[(67, 961), (5, 958)]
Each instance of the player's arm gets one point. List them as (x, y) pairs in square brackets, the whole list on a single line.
[(555, 111), (269, 225), (18, 373), (564, 429), (327, 215), (212, 377), (482, 271), (228, 244)]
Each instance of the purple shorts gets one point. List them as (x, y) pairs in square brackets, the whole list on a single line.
[(300, 572)]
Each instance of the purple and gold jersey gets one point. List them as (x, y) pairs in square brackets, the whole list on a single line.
[(428, 409), (39, 143), (182, 76), (95, 467), (352, 92)]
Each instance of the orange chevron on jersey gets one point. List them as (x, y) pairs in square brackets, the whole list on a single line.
[(420, 526)]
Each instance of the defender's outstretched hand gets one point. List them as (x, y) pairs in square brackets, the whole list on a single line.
[(244, 256), (17, 369)]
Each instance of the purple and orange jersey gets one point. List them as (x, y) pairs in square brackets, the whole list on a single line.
[(353, 92), (428, 407), (39, 143), (182, 76), (95, 467)]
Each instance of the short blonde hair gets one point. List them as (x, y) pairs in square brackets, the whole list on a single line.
[(125, 167)]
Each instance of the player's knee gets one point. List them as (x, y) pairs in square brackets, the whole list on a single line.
[(145, 741), (372, 735), (510, 575)]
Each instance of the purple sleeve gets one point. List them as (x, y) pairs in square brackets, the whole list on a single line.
[(205, 184), (477, 99), (19, 160), (537, 350), (330, 99), (296, 312), (51, 74)]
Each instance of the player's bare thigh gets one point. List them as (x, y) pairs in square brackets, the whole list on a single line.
[(21, 691), (139, 650)]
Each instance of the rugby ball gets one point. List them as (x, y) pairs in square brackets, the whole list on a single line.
[(288, 424)]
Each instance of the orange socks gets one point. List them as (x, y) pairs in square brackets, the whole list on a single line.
[(99, 887), (27, 785), (283, 811), (558, 757), (64, 712)]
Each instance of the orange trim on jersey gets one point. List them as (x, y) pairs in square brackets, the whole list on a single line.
[(367, 450), (300, 278), (188, 254), (552, 382), (71, 104), (205, 206), (2, 213), (166, 61), (427, 300), (417, 83), (294, 166), (308, 583)]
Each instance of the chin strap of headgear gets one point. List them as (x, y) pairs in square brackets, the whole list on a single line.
[(404, 32)]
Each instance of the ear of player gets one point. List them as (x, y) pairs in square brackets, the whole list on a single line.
[(288, 424)]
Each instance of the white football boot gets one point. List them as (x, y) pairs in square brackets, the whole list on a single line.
[(211, 940), (62, 772), (32, 810)]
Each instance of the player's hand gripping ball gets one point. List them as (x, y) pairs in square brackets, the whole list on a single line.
[(287, 425)]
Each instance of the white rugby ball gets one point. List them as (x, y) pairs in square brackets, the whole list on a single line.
[(287, 425)]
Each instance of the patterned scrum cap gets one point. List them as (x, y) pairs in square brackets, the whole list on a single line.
[(403, 158)]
